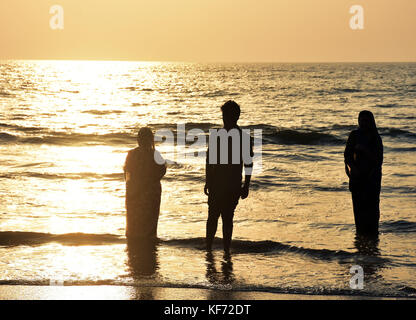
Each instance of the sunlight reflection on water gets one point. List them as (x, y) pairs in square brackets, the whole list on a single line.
[(66, 127)]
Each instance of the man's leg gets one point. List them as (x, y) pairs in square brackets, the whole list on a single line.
[(227, 214), (212, 223), (227, 228)]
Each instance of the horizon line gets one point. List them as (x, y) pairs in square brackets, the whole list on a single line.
[(211, 61)]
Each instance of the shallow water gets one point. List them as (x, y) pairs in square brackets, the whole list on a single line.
[(65, 128)]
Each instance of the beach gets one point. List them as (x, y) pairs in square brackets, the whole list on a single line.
[(134, 293), (66, 128)]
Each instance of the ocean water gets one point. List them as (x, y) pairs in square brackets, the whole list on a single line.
[(65, 129)]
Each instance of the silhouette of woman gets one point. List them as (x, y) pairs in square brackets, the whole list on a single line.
[(143, 171), (363, 161)]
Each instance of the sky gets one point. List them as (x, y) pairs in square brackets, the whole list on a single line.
[(209, 30)]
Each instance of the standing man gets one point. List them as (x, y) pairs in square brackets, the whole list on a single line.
[(224, 166)]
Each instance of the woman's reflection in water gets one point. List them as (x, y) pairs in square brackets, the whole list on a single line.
[(368, 247), (143, 264)]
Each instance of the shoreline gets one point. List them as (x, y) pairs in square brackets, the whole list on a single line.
[(111, 292)]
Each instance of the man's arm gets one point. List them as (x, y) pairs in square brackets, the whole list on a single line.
[(208, 174), (248, 170)]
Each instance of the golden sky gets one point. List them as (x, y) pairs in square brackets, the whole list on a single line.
[(209, 30)]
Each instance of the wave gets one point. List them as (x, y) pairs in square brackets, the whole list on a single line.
[(138, 89), (384, 131), (272, 247), (67, 175), (347, 90), (407, 190), (403, 117), (188, 126), (218, 93), (396, 132), (288, 136), (23, 128), (71, 139), (385, 291), (330, 189), (194, 177), (184, 173), (42, 135), (399, 226), (70, 91), (103, 112), (6, 137), (35, 164), (18, 238), (228, 288), (302, 137), (341, 127), (333, 91), (331, 135), (7, 94), (387, 105), (302, 157), (401, 149)]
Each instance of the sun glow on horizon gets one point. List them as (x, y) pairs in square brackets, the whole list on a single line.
[(209, 30)]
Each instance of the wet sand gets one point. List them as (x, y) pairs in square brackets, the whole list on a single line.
[(19, 292)]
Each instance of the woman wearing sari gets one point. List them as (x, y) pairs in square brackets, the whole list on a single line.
[(363, 161), (143, 170)]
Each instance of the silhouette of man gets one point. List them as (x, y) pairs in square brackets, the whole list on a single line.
[(224, 166)]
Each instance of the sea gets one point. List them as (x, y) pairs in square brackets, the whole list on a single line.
[(66, 128)]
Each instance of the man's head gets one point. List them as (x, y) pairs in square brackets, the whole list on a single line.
[(230, 114)]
